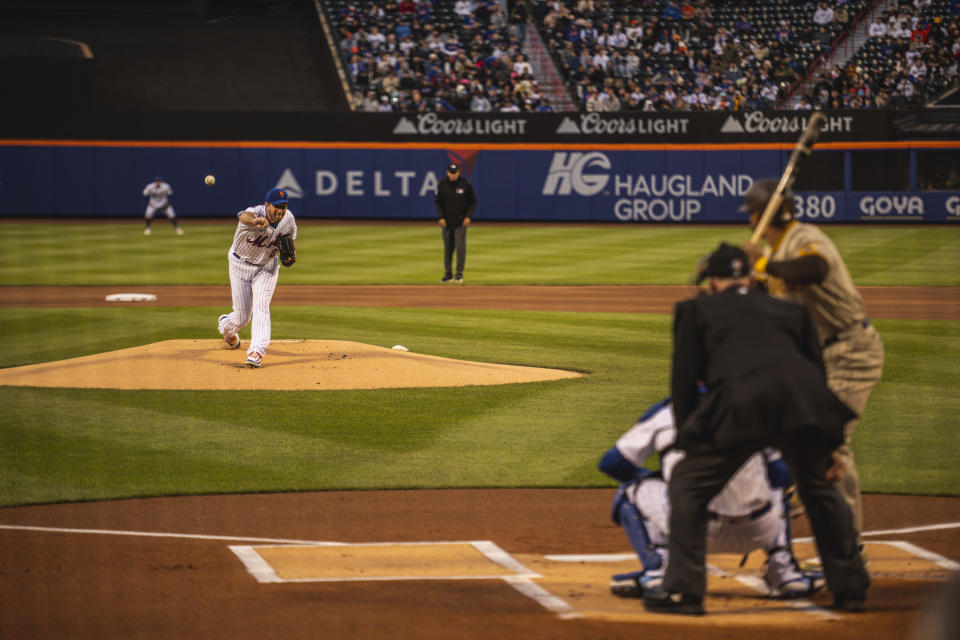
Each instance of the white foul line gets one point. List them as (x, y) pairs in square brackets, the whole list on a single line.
[(595, 557), (152, 534), (887, 532), (620, 557)]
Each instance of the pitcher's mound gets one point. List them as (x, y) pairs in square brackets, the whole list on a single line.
[(288, 365)]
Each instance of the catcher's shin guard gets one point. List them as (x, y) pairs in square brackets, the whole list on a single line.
[(633, 525), (786, 580), (783, 576)]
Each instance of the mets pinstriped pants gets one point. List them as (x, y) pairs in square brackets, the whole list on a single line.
[(252, 287)]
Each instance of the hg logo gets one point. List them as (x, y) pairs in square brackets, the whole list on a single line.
[(568, 171)]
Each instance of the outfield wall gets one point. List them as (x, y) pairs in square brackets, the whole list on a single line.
[(629, 183)]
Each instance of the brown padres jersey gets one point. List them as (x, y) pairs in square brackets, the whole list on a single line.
[(835, 304)]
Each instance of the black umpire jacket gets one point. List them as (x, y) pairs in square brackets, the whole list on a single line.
[(455, 201), (760, 360)]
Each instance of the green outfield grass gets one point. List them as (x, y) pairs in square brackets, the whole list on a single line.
[(72, 444), (119, 254)]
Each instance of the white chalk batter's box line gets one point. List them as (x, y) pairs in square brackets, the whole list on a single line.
[(264, 572), (521, 579)]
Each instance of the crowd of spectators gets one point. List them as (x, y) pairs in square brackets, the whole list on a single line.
[(692, 55), (911, 56), (641, 55), (434, 55)]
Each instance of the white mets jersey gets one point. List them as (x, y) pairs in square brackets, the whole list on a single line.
[(158, 193), (259, 246)]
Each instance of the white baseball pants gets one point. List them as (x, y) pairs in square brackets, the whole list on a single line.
[(252, 287), (152, 210), (725, 534)]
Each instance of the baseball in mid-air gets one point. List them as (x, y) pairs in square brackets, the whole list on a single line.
[(209, 180)]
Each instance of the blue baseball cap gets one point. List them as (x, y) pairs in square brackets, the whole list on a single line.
[(276, 196)]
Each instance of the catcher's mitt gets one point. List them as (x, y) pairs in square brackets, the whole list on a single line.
[(288, 253)]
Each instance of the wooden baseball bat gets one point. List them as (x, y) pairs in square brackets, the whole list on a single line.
[(800, 152)]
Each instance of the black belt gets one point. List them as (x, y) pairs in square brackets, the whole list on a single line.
[(829, 341), (753, 515), (256, 264)]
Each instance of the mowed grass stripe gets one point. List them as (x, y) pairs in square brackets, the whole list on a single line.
[(118, 253)]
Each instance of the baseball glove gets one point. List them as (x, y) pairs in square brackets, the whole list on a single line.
[(288, 253)]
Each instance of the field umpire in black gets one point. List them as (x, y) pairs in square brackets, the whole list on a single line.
[(760, 362), (455, 202)]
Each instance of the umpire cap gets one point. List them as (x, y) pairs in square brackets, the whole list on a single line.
[(726, 261), (758, 195)]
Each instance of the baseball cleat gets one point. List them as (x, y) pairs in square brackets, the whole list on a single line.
[(446, 279), (626, 585), (232, 341), (801, 587), (850, 601), (253, 360), (632, 585), (458, 280), (659, 600)]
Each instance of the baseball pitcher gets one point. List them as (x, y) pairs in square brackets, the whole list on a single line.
[(748, 514), (254, 269)]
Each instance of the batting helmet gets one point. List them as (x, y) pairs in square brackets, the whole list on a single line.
[(758, 195)]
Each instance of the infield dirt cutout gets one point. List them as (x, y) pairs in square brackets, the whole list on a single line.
[(288, 365)]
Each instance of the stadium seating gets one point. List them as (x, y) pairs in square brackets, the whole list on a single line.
[(439, 55), (716, 55), (433, 55), (908, 61)]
